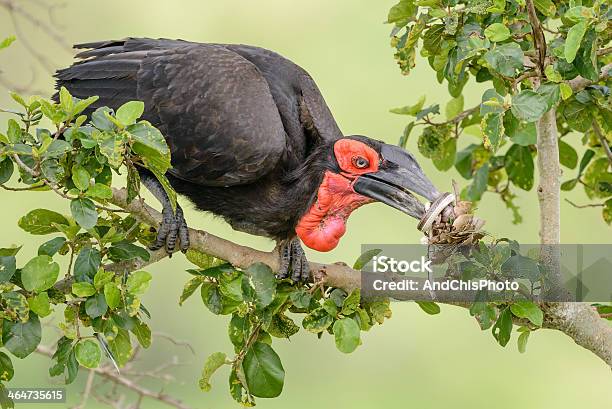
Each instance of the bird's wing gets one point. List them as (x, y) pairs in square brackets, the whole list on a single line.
[(213, 106)]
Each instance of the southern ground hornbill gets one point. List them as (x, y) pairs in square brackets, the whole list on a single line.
[(252, 140)]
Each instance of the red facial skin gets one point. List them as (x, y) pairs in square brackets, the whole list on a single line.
[(325, 222)]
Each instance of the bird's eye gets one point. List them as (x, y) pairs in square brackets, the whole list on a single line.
[(360, 162)]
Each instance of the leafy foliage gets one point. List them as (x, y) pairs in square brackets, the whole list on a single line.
[(493, 42)]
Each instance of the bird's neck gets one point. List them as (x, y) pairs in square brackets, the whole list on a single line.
[(324, 223)]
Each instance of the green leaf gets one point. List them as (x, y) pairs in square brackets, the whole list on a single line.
[(454, 107), (502, 330), (550, 94), (492, 127), (112, 148), (411, 110), (573, 40), (351, 302), (51, 247), (300, 298), (40, 305), (83, 289), (138, 282), (519, 166), (365, 258), (81, 104), (282, 326), (6, 367), (7, 268), (190, 287), (80, 177), (40, 221), (149, 143), (39, 274), (263, 371), (213, 362), (100, 191), (14, 131), (552, 74), (96, 306), (127, 251), (102, 277), (519, 132), (263, 281), (84, 212), (566, 90), (6, 170), (401, 12), (567, 155), (87, 264), (596, 178), (143, 334), (546, 7), (529, 310), (506, 59), (21, 338), (7, 41), (317, 321), (444, 158), (497, 32), (167, 187), (121, 347), (607, 211), (479, 184), (112, 295), (88, 353), (429, 307), (529, 106), (519, 266), (133, 183), (212, 298), (129, 112), (346, 333), (522, 341)]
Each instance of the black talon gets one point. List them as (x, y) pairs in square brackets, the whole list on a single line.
[(173, 223), (293, 261)]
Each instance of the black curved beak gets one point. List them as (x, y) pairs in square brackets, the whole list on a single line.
[(398, 177)]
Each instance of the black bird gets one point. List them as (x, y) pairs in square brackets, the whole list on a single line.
[(251, 139)]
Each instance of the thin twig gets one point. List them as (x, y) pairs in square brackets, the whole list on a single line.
[(110, 374), (602, 140), (584, 205)]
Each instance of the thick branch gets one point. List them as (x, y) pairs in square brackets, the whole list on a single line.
[(580, 83), (578, 321)]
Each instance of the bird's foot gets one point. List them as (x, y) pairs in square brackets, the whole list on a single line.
[(293, 262), (173, 226)]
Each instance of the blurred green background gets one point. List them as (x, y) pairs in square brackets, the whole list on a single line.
[(413, 360)]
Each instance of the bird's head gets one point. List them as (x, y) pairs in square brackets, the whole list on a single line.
[(359, 170)]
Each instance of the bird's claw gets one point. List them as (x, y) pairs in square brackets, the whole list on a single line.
[(173, 226), (293, 262)]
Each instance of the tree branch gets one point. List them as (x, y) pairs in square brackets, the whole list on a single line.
[(579, 83), (578, 321)]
